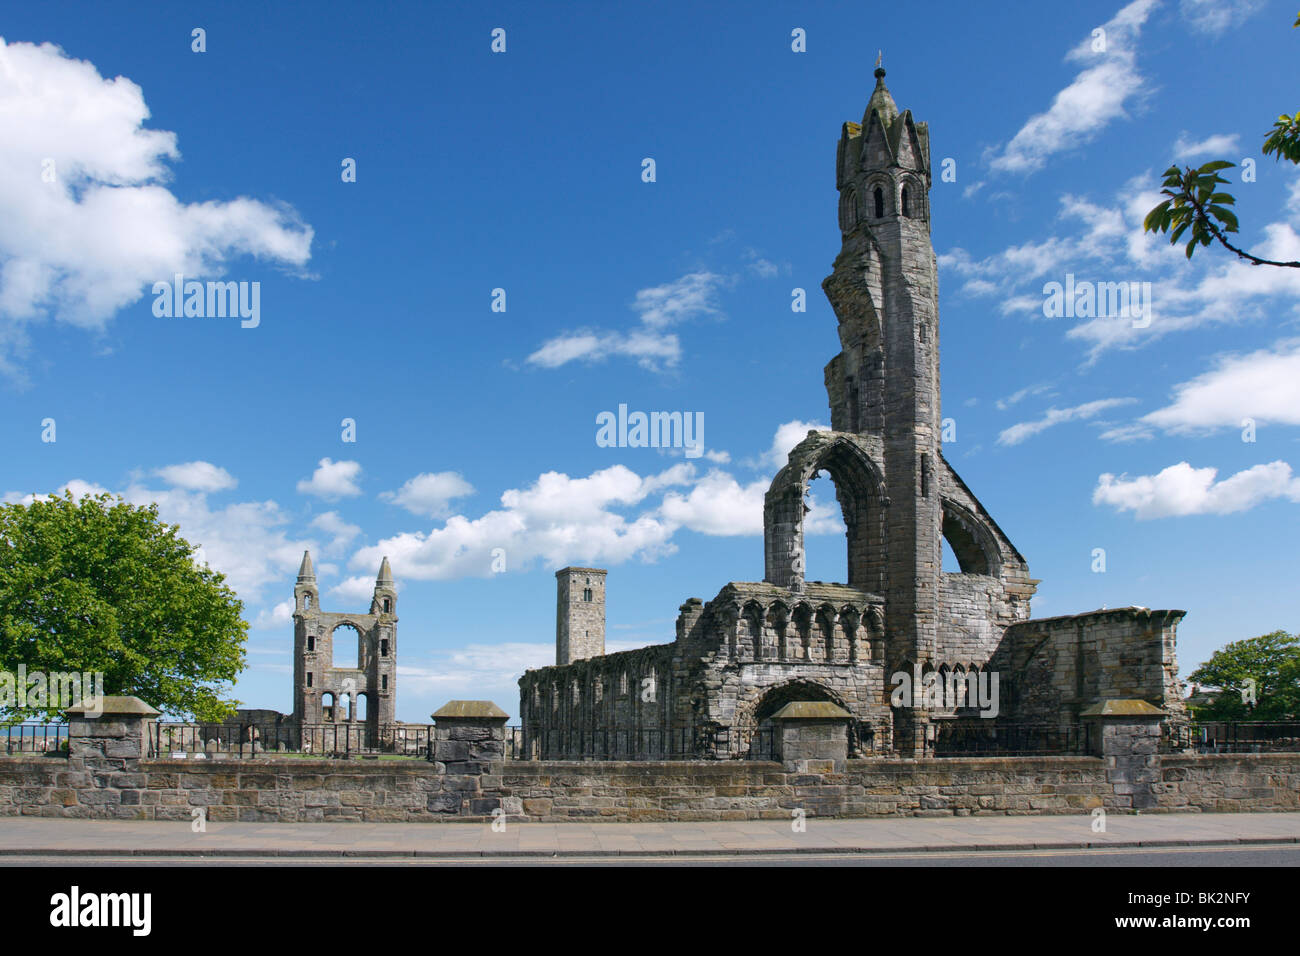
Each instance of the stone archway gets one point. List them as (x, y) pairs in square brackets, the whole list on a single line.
[(860, 488)]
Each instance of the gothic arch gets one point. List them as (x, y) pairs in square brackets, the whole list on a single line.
[(971, 540), (859, 487), (777, 696), (360, 651)]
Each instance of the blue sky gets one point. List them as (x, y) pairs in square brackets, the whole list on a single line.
[(522, 170)]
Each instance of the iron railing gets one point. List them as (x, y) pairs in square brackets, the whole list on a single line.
[(1238, 736), (35, 738), (681, 743), (993, 738), (322, 740)]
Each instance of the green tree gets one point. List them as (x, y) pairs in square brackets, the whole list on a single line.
[(1272, 661), (1197, 203), (100, 585)]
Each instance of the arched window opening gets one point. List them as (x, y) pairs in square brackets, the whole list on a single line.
[(879, 196), (826, 556), (339, 639), (968, 548), (907, 206)]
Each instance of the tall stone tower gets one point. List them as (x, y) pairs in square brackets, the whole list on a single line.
[(579, 614), (340, 658), (884, 384)]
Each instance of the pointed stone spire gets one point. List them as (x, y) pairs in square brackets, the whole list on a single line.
[(306, 573), (385, 579), (881, 101)]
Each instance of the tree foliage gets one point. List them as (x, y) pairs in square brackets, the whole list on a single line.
[(1272, 661), (100, 585), (1197, 203)]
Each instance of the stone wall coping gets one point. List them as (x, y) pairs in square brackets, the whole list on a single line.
[(113, 705), (1132, 611), (811, 710), (470, 708), (1122, 708)]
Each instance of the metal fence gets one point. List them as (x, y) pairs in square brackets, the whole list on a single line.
[(682, 743), (1239, 736), (321, 740), (994, 738), (35, 738)]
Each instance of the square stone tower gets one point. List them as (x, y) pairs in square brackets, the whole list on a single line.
[(579, 614)]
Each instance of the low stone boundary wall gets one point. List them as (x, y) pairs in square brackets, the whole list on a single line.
[(297, 791), (107, 774)]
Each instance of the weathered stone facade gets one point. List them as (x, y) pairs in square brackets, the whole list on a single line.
[(326, 685), (757, 646), (579, 614)]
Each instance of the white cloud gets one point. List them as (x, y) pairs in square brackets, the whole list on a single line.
[(274, 618), (93, 240), (332, 480), (651, 350), (429, 494), (1018, 396), (718, 505), (197, 476), (1263, 386), (1055, 416), (659, 308), (787, 436), (341, 533), (1096, 96), (557, 519), (1183, 490), (79, 489), (1217, 145), (1216, 16)]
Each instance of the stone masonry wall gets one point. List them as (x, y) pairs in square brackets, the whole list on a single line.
[(293, 790)]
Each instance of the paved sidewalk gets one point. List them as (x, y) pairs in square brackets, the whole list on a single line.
[(35, 836)]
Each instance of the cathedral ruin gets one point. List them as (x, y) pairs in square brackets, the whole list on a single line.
[(758, 646)]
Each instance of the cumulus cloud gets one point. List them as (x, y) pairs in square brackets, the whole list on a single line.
[(88, 225), (332, 480), (1183, 490), (1263, 386), (197, 476), (274, 618), (1055, 416), (341, 533), (651, 344), (79, 489), (787, 436), (1097, 96), (430, 493)]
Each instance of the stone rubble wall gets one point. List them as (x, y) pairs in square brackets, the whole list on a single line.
[(290, 790)]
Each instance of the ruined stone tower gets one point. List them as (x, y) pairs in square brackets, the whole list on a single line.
[(341, 660), (579, 614), (900, 617)]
